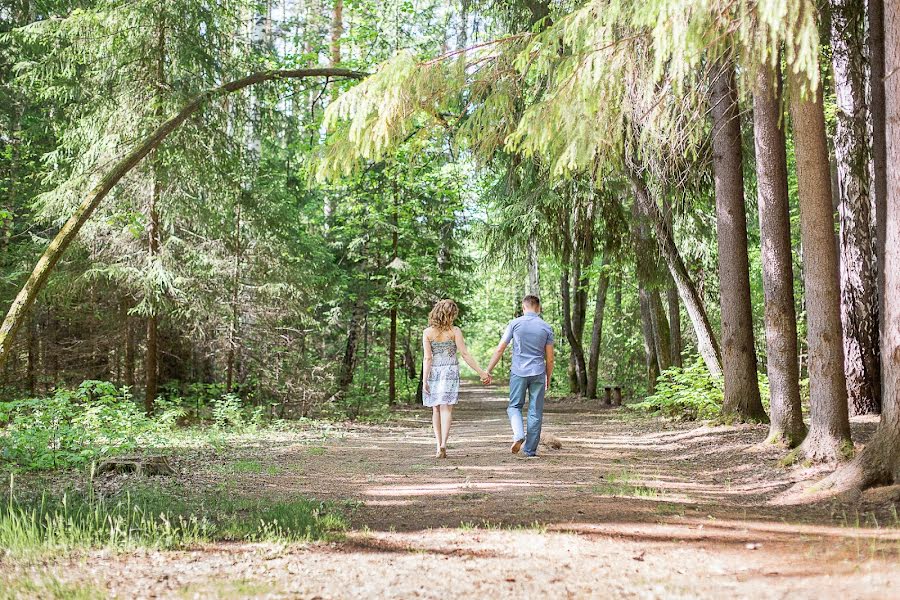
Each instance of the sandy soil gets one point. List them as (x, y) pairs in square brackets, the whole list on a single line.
[(629, 507)]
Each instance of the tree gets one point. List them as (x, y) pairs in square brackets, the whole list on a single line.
[(859, 294), (829, 433), (18, 311), (786, 418), (706, 340), (879, 461), (878, 155), (742, 399)]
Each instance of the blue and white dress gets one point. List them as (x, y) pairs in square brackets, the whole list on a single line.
[(444, 378)]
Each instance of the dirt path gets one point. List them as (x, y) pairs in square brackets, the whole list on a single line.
[(629, 507)]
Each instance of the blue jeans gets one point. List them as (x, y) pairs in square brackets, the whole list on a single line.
[(517, 388)]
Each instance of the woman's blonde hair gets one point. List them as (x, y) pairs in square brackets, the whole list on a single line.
[(443, 314)]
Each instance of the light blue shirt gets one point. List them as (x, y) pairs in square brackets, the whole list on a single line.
[(529, 335)]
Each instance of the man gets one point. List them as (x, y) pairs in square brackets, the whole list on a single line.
[(532, 369)]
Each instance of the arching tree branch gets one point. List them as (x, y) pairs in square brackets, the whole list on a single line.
[(38, 278)]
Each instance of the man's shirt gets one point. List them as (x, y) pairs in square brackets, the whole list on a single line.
[(529, 335)]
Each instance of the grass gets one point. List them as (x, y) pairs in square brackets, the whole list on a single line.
[(620, 484), (149, 518), (249, 466), (47, 587)]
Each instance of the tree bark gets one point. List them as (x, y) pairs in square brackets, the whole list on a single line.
[(742, 401), (576, 349), (69, 231), (597, 329), (785, 416), (829, 433), (780, 318), (348, 364), (706, 340), (661, 335), (674, 325), (392, 342), (151, 360), (879, 462), (879, 149), (337, 30), (859, 289), (234, 326), (128, 361), (674, 307), (651, 362), (534, 280)]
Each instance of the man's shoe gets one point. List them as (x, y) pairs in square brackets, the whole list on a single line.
[(530, 455), (517, 445)]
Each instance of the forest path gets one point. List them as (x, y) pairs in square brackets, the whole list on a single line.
[(629, 507)]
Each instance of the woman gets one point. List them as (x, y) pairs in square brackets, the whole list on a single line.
[(442, 342)]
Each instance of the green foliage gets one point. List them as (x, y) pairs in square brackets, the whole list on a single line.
[(73, 427), (151, 519), (688, 393), (691, 394)]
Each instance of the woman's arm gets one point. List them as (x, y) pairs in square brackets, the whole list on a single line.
[(464, 352), (426, 361)]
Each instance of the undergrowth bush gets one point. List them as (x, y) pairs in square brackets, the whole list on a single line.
[(690, 393), (74, 427)]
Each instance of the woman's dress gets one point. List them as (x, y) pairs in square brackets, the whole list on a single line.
[(444, 378)]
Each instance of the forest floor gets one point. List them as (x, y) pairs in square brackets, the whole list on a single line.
[(628, 507)]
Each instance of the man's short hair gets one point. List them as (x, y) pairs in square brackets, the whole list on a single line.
[(532, 301)]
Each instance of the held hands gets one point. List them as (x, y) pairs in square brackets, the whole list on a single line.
[(486, 378)]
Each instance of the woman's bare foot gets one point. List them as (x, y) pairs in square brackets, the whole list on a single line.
[(442, 453), (438, 452)]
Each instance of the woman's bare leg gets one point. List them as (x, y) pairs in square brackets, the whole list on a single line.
[(446, 419), (436, 423)]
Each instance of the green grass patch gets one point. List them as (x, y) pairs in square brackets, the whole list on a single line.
[(148, 518), (622, 484), (47, 587), (316, 451)]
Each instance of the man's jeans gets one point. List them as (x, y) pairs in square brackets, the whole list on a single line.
[(535, 387)]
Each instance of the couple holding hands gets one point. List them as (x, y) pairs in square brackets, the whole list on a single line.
[(532, 368)]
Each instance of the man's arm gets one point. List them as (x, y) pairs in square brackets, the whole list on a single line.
[(496, 357), (548, 352)]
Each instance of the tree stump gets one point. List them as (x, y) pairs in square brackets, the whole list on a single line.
[(607, 395), (140, 465), (617, 395)]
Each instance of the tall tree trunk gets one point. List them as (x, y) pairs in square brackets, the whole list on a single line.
[(785, 416), (235, 324), (348, 363), (706, 340), (337, 30), (878, 124), (651, 362), (534, 280), (392, 342), (879, 462), (676, 347), (151, 359), (31, 368), (129, 343), (829, 433), (597, 329), (154, 235), (859, 288), (566, 300), (674, 307), (661, 335), (742, 401), (579, 316)]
